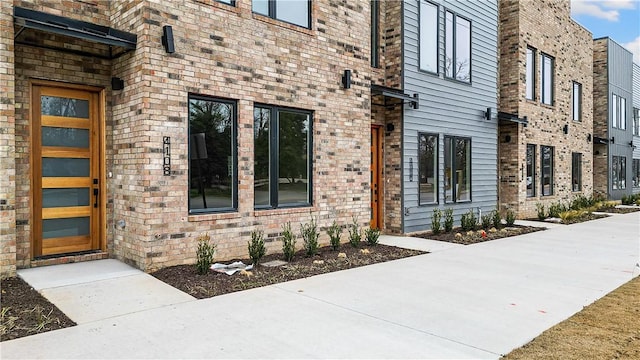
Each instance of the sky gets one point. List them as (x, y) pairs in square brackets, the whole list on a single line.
[(617, 19)]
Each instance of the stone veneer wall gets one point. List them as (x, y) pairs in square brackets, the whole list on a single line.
[(548, 28)]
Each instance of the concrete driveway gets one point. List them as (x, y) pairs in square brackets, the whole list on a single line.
[(477, 301)]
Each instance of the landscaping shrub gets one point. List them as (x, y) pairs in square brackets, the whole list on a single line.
[(630, 199), (309, 233), (372, 235), (569, 215), (335, 232), (435, 221), (468, 221), (582, 202), (256, 246), (496, 219), (355, 236), (541, 211), (486, 220), (204, 254), (555, 209), (448, 220), (510, 218), (288, 242)]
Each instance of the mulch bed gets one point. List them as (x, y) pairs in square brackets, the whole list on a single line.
[(458, 236), (25, 312), (615, 210), (185, 277)]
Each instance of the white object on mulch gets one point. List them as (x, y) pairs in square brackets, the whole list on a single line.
[(231, 268)]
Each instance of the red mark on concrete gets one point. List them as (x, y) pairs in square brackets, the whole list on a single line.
[(542, 311)]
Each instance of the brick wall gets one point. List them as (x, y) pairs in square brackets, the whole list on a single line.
[(600, 116), (547, 27)]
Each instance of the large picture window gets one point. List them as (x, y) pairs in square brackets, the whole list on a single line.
[(546, 155), (297, 12), (576, 99), (531, 170), (428, 167), (619, 112), (457, 169), (635, 172), (375, 33), (457, 47), (282, 157), (428, 36), (619, 173), (530, 78), (546, 76), (576, 171), (212, 155)]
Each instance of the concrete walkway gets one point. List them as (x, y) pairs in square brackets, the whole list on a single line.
[(477, 301)]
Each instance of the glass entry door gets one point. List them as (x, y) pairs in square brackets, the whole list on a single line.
[(65, 170)]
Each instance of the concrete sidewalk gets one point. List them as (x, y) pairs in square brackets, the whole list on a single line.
[(477, 301)]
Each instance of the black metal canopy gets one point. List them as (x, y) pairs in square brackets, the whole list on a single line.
[(505, 116), (31, 19), (413, 101)]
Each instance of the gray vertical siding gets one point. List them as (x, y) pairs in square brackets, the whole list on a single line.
[(636, 104), (452, 108)]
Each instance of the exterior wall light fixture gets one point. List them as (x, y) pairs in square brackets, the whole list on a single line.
[(346, 79)]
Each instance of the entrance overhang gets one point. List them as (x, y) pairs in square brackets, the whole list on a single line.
[(413, 101)]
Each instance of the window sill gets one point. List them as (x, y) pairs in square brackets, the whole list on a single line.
[(220, 5), (213, 216), (282, 24), (458, 81), (429, 204), (283, 211)]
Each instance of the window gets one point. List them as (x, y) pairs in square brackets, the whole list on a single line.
[(282, 157), (619, 112), (212, 153), (295, 12), (457, 173), (576, 171), (636, 121), (457, 47), (531, 170), (428, 36), (577, 101), (546, 76), (619, 173), (375, 24), (230, 2), (635, 172), (546, 153), (428, 168), (530, 79)]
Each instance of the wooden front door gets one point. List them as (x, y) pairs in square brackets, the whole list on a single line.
[(376, 177), (66, 143)]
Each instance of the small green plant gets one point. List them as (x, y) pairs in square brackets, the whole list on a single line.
[(309, 233), (510, 218), (468, 221), (355, 236), (335, 232), (569, 215), (540, 211), (486, 220), (204, 254), (630, 199), (435, 221), (496, 219), (372, 235), (256, 246), (288, 242), (555, 209), (448, 220)]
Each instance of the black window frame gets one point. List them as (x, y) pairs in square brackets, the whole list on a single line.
[(551, 170), (543, 69), (375, 33), (436, 168), (636, 121), (531, 165), (454, 74), (454, 193), (618, 167), (421, 32), (530, 67), (234, 154), (274, 157), (227, 2), (272, 13), (635, 173), (576, 172), (578, 98)]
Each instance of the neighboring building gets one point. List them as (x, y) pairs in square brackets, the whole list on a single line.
[(439, 143), (635, 129), (124, 138), (612, 119), (546, 106)]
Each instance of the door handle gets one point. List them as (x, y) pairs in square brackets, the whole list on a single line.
[(95, 197)]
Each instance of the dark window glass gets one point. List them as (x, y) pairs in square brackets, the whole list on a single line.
[(212, 144), (428, 167), (375, 24), (58, 106), (457, 165), (546, 155), (297, 12), (530, 79), (428, 36), (619, 173), (635, 172), (531, 170), (546, 76), (636, 121), (576, 171), (282, 155), (577, 101), (457, 47)]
